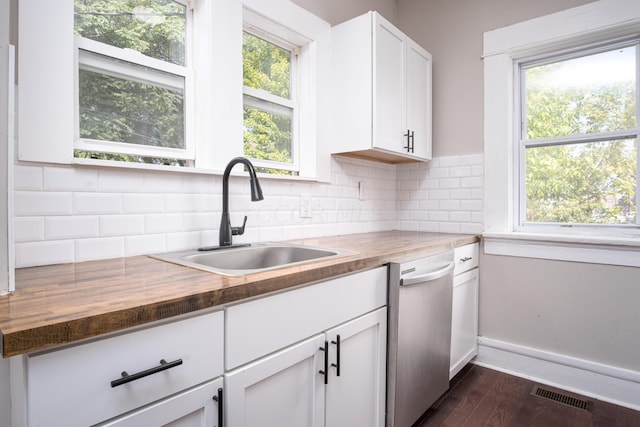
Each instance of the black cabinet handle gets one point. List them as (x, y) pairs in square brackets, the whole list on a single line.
[(410, 141), (465, 259), (325, 372), (126, 378), (218, 399), (337, 364)]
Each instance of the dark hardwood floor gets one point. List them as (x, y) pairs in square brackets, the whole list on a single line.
[(483, 397)]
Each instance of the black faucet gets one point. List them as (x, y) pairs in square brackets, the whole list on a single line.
[(226, 230)]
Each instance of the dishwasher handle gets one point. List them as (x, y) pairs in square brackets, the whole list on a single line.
[(427, 277)]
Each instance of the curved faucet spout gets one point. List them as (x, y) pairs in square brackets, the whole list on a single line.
[(226, 230)]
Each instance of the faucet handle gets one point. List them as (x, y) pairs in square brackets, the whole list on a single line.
[(239, 231)]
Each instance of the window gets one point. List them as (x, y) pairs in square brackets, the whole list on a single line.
[(117, 80), (269, 71), (579, 130), (541, 150), (132, 80)]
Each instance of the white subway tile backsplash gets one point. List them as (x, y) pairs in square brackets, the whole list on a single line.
[(143, 203), (121, 225), (454, 200), (67, 214), (28, 229), (99, 248), (119, 181), (145, 244), (163, 223), (201, 221), (162, 183), (70, 227), (97, 203), (42, 253), (70, 179), (184, 240), (28, 177), (34, 203)]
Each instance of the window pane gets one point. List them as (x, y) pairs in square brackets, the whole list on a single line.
[(266, 66), (267, 133), (155, 28), (589, 183), (595, 93), (124, 110)]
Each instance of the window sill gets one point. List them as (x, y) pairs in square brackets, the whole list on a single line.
[(622, 251), (180, 169)]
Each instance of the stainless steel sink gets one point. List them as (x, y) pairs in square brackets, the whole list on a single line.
[(254, 258)]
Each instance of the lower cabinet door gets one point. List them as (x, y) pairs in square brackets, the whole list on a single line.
[(464, 321), (197, 407), (356, 397), (285, 389)]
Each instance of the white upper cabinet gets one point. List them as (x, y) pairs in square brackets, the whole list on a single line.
[(381, 84)]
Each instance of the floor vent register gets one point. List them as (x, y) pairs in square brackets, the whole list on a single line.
[(562, 398)]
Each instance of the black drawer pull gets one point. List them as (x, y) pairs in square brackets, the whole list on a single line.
[(465, 259), (126, 378), (218, 399)]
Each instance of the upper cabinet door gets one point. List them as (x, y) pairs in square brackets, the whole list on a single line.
[(388, 78), (418, 94), (381, 86)]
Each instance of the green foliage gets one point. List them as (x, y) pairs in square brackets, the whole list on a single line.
[(266, 66), (126, 110), (114, 109), (267, 135), (591, 182), (155, 28)]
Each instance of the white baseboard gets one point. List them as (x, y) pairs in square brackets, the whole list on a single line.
[(603, 382)]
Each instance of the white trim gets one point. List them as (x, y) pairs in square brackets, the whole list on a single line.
[(7, 98), (604, 382), (596, 250), (590, 23), (598, 20)]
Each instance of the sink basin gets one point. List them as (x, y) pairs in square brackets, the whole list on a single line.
[(254, 258)]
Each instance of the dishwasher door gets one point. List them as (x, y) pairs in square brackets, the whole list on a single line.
[(420, 298)]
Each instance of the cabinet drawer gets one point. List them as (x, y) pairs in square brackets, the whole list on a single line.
[(466, 258), (73, 386), (262, 326)]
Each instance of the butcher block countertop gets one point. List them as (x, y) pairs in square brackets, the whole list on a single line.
[(61, 304)]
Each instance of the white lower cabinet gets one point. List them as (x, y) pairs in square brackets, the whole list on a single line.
[(333, 379), (464, 313), (158, 371), (314, 356)]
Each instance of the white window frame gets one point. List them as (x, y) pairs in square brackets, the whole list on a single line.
[(271, 32), (46, 111), (503, 48), (169, 75), (521, 224)]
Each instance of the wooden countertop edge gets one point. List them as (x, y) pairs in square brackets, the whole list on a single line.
[(68, 331)]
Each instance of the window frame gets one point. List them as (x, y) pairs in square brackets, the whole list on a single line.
[(522, 142), (263, 29), (114, 69), (591, 23)]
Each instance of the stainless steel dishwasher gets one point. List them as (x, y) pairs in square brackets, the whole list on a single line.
[(420, 294)]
